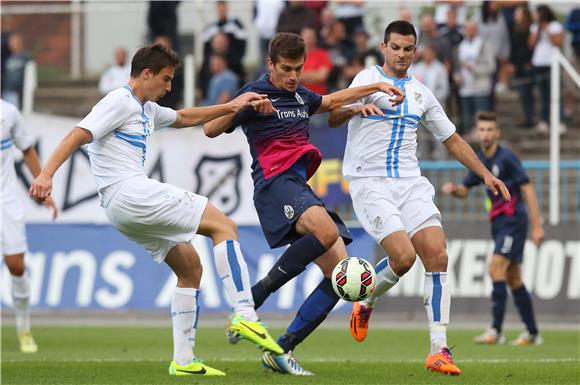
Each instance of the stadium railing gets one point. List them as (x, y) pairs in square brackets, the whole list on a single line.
[(475, 206)]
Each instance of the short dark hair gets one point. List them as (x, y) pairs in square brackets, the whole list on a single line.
[(155, 57), (486, 116), (401, 27), (286, 45)]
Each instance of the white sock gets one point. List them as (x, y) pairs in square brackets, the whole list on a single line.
[(437, 300), (386, 278), (184, 315), (233, 272), (21, 302)]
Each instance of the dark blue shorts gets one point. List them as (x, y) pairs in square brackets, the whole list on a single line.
[(509, 234), (280, 201)]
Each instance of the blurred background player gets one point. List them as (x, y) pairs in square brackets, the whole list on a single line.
[(289, 211), (158, 216), (509, 228), (116, 75), (392, 201), (13, 234)]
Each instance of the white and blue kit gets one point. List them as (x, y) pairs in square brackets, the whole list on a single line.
[(14, 135), (388, 192), (156, 215), (387, 189)]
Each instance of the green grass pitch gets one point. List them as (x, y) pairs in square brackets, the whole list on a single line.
[(140, 355)]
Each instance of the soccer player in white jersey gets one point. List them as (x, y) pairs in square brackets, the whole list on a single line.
[(13, 244), (158, 216), (392, 201)]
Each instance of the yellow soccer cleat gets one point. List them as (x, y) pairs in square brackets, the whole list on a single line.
[(27, 344), (253, 331), (194, 368)]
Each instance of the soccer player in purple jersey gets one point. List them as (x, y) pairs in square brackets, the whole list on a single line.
[(289, 211), (509, 228)]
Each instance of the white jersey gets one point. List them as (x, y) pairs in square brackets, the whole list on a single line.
[(120, 125), (386, 146), (13, 135)]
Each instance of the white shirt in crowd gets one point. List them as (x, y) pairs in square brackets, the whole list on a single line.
[(13, 135), (267, 14), (120, 125), (387, 146), (114, 77), (434, 76), (543, 50)]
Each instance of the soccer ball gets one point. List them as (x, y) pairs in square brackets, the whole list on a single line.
[(353, 279)]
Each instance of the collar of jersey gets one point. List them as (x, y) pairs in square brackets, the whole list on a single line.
[(408, 78), (126, 86)]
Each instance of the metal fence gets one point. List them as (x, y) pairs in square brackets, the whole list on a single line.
[(473, 208)]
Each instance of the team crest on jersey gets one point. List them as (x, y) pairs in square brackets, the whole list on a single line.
[(299, 98), (218, 178), (418, 97), (289, 210), (495, 170)]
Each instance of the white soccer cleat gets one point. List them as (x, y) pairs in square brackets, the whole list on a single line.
[(490, 337), (284, 363), (525, 338)]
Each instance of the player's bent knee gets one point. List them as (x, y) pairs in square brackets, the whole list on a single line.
[(15, 265), (328, 237)]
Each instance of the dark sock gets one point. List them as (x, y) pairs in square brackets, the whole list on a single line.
[(523, 302), (311, 314), (289, 265), (498, 303)]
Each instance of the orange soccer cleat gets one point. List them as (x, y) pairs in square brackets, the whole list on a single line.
[(442, 362), (359, 321)]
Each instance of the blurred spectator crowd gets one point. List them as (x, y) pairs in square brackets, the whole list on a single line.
[(467, 53)]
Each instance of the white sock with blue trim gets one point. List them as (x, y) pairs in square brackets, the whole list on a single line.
[(233, 272), (437, 300), (386, 278), (184, 316)]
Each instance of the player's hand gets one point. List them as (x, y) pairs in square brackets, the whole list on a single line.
[(538, 234), (41, 188), (397, 95), (496, 186), (49, 203), (448, 188), (245, 100), (367, 110), (263, 106)]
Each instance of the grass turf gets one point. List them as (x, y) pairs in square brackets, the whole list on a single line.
[(140, 355)]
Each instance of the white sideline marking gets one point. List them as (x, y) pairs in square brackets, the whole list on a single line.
[(322, 360)]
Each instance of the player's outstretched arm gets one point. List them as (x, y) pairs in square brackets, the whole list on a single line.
[(347, 96), (220, 125), (342, 115), (465, 154), (534, 210), (457, 190), (196, 116), (30, 157), (42, 185)]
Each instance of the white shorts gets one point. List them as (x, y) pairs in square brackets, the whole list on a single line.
[(13, 233), (156, 215), (386, 205)]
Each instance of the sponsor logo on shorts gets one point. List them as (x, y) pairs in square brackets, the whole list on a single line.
[(289, 210)]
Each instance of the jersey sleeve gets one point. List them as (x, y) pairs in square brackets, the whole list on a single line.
[(108, 114), (312, 98), (163, 116), (357, 82), (20, 136), (435, 119), (243, 116), (471, 180), (517, 169)]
